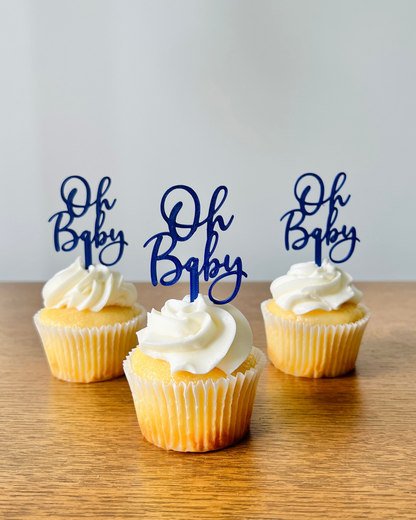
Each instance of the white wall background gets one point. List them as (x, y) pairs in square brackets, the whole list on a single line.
[(250, 94)]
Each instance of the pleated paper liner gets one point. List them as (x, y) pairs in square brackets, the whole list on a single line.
[(312, 351), (88, 355), (198, 417)]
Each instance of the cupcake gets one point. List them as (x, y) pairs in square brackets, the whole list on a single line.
[(89, 322), (315, 321), (194, 375)]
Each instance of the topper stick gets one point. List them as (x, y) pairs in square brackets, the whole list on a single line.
[(318, 253), (87, 255), (194, 279), (317, 236)]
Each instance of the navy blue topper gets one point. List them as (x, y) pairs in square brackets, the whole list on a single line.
[(76, 208), (210, 267), (307, 207)]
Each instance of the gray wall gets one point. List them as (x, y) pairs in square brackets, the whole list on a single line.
[(249, 94)]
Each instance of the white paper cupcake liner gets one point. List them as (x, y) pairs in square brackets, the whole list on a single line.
[(88, 355), (197, 417), (316, 351)]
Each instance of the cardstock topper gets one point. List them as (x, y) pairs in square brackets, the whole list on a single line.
[(331, 236), (166, 242), (76, 194)]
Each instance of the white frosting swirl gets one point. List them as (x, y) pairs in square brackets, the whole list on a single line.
[(307, 287), (198, 336), (92, 288)]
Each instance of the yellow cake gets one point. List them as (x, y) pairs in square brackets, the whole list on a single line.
[(89, 323), (346, 313), (158, 370), (194, 376), (75, 319), (314, 323)]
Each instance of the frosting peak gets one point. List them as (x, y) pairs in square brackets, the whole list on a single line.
[(92, 288), (197, 336), (308, 287)]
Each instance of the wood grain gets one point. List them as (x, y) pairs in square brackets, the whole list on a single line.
[(332, 448)]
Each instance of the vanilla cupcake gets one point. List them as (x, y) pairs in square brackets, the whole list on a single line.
[(315, 321), (89, 322), (194, 375)]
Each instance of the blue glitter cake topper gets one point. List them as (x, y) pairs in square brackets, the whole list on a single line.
[(210, 267), (331, 236), (77, 207)]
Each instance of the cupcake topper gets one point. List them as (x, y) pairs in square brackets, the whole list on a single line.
[(77, 205), (210, 267), (331, 236)]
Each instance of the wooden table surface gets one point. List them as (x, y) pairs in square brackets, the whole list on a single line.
[(331, 448)]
